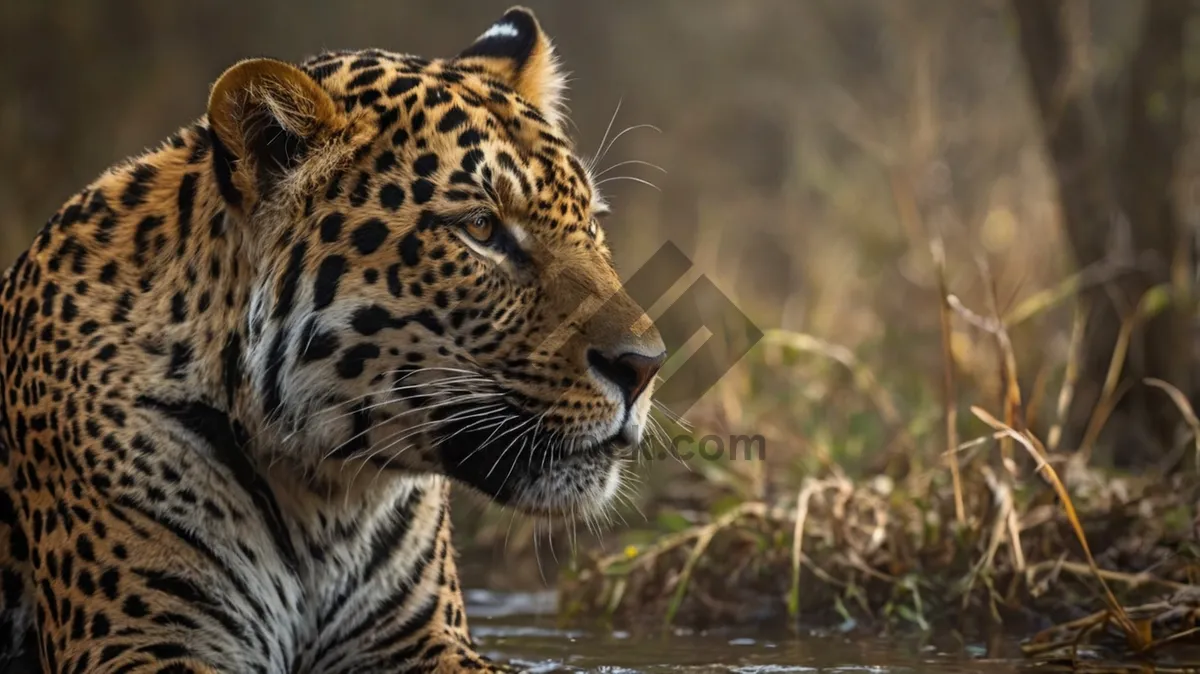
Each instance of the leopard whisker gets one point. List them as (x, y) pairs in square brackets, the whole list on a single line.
[(398, 390), (631, 178), (412, 410), (501, 456), (274, 423), (432, 446), (537, 555), (592, 163), (516, 459), (467, 414), (672, 416), (411, 431), (631, 162), (604, 151), (487, 418), (485, 443)]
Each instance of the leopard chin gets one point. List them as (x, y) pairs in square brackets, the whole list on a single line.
[(546, 475)]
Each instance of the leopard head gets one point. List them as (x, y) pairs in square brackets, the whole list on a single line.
[(433, 292)]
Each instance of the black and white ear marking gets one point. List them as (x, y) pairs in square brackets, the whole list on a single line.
[(517, 52), (513, 37)]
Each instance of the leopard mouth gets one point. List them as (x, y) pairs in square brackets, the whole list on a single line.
[(543, 473)]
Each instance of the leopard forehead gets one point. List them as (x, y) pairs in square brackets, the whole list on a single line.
[(447, 135)]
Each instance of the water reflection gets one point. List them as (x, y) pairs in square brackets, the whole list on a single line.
[(521, 627)]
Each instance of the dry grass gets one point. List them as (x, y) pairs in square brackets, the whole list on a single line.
[(1021, 535)]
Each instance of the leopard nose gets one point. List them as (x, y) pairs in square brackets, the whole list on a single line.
[(631, 372)]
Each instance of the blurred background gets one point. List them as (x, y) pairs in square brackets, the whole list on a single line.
[(782, 124), (819, 157)]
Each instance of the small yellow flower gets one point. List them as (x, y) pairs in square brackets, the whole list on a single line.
[(630, 551)]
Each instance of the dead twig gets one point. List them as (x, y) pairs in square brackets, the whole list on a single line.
[(1029, 442), (949, 398)]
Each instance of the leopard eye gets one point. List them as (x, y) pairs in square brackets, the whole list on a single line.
[(482, 228)]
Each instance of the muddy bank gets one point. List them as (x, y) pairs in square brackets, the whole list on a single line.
[(871, 557)]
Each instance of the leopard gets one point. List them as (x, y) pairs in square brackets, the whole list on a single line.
[(243, 369)]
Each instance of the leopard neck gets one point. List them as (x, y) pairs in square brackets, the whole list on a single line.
[(166, 277)]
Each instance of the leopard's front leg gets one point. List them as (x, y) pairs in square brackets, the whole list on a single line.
[(458, 659), (445, 646), (405, 613)]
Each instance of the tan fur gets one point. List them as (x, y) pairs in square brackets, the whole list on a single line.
[(216, 459)]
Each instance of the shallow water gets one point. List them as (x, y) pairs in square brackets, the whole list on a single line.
[(522, 629)]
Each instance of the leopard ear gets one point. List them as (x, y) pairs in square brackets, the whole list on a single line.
[(266, 118), (517, 52)]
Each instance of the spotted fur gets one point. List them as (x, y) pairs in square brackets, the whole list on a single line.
[(241, 370)]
